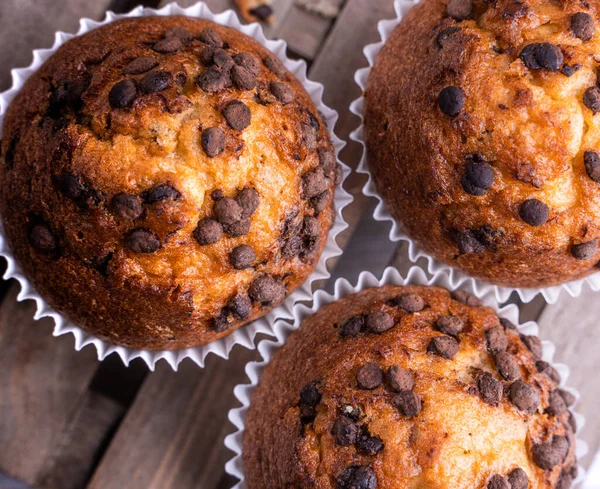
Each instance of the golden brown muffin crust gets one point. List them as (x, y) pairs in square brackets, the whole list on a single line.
[(467, 119), (165, 180), (465, 404)]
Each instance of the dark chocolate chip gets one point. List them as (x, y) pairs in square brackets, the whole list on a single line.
[(311, 227), (533, 344), (249, 62), (180, 32), (345, 431), (242, 257), (161, 192), (274, 65), (556, 404), (496, 339), (237, 229), (507, 324), (548, 455), (319, 202), (507, 366), (564, 480), (240, 306), (444, 35), (465, 298), (314, 183), (42, 239), (444, 346), (583, 26), (213, 80), (369, 376), (591, 160), (450, 325), (534, 212), (156, 81), (352, 326), (216, 194), (572, 422), (167, 45), (227, 211), (569, 398), (307, 413), (70, 186), (127, 206), (468, 242), (459, 9), (249, 200), (262, 12), (408, 403), (221, 323), (585, 251), (142, 241), (357, 477), (310, 395), (490, 389), (498, 482), (237, 114), (524, 396), (207, 55), (222, 60), (267, 290), (378, 322), (122, 94), (9, 156), (140, 65), (518, 479), (570, 70), (478, 178), (591, 99), (548, 370), (368, 445), (309, 137), (399, 379), (211, 37), (213, 141), (282, 92), (242, 78), (409, 302), (451, 101), (542, 55), (208, 231), (291, 248), (327, 159)]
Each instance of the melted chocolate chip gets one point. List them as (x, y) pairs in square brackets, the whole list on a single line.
[(70, 186), (583, 26), (227, 210), (369, 376), (310, 395), (524, 396), (249, 200), (444, 35), (213, 141), (140, 65), (490, 389), (314, 183), (542, 55), (478, 178), (533, 344), (409, 302), (357, 477), (249, 62), (496, 339), (161, 192), (468, 242), (591, 99), (352, 326), (399, 379), (242, 257), (309, 137), (498, 482), (556, 404), (569, 398), (311, 227), (345, 431), (378, 322), (451, 101), (368, 445), (211, 37), (291, 248), (450, 325), (222, 60), (534, 212), (122, 94), (548, 370), (242, 78), (142, 241), (465, 297), (507, 366), (443, 346), (213, 80), (208, 231), (237, 114), (167, 45), (156, 81), (319, 202), (459, 9), (518, 479), (591, 160), (42, 239), (585, 251), (408, 403), (274, 65), (221, 323), (548, 455), (237, 229), (127, 206), (282, 92), (267, 290)]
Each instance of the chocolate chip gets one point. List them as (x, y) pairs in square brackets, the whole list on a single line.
[(548, 455), (161, 192), (534, 212), (240, 306), (585, 251), (496, 339), (222, 60), (249, 200), (291, 248), (378, 322), (368, 445), (319, 202), (478, 178), (213, 141), (369, 376), (459, 9), (533, 344), (327, 159), (357, 477), (490, 389), (213, 80), (227, 211), (524, 396), (556, 404), (451, 101), (221, 323), (467, 242), (409, 302), (507, 324), (156, 81), (567, 397), (309, 138), (583, 26), (242, 257), (237, 229), (274, 65), (142, 241), (339, 174), (591, 160), (122, 94), (444, 346), (140, 65), (498, 482), (465, 298), (548, 370), (282, 92), (127, 206), (237, 114), (408, 403), (400, 379), (345, 431), (307, 414), (444, 35), (542, 55), (208, 231), (518, 479), (267, 290), (313, 183), (249, 62), (570, 70), (9, 156), (180, 32), (69, 185), (352, 326), (262, 12), (591, 99), (167, 45), (572, 422), (216, 194), (211, 37), (507, 366), (564, 480), (310, 395), (42, 239), (242, 78), (450, 325)]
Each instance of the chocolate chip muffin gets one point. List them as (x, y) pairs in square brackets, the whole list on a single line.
[(480, 128), (165, 180), (409, 387)]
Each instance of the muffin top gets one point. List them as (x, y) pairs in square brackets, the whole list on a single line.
[(165, 180), (409, 387), (481, 120)]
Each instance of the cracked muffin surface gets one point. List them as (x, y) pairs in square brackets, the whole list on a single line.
[(409, 387), (165, 180), (497, 145)]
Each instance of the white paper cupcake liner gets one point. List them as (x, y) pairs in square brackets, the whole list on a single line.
[(342, 288), (397, 233), (244, 336)]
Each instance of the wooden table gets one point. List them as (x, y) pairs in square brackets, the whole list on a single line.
[(68, 421)]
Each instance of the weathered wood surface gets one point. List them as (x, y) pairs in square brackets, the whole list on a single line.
[(68, 422)]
